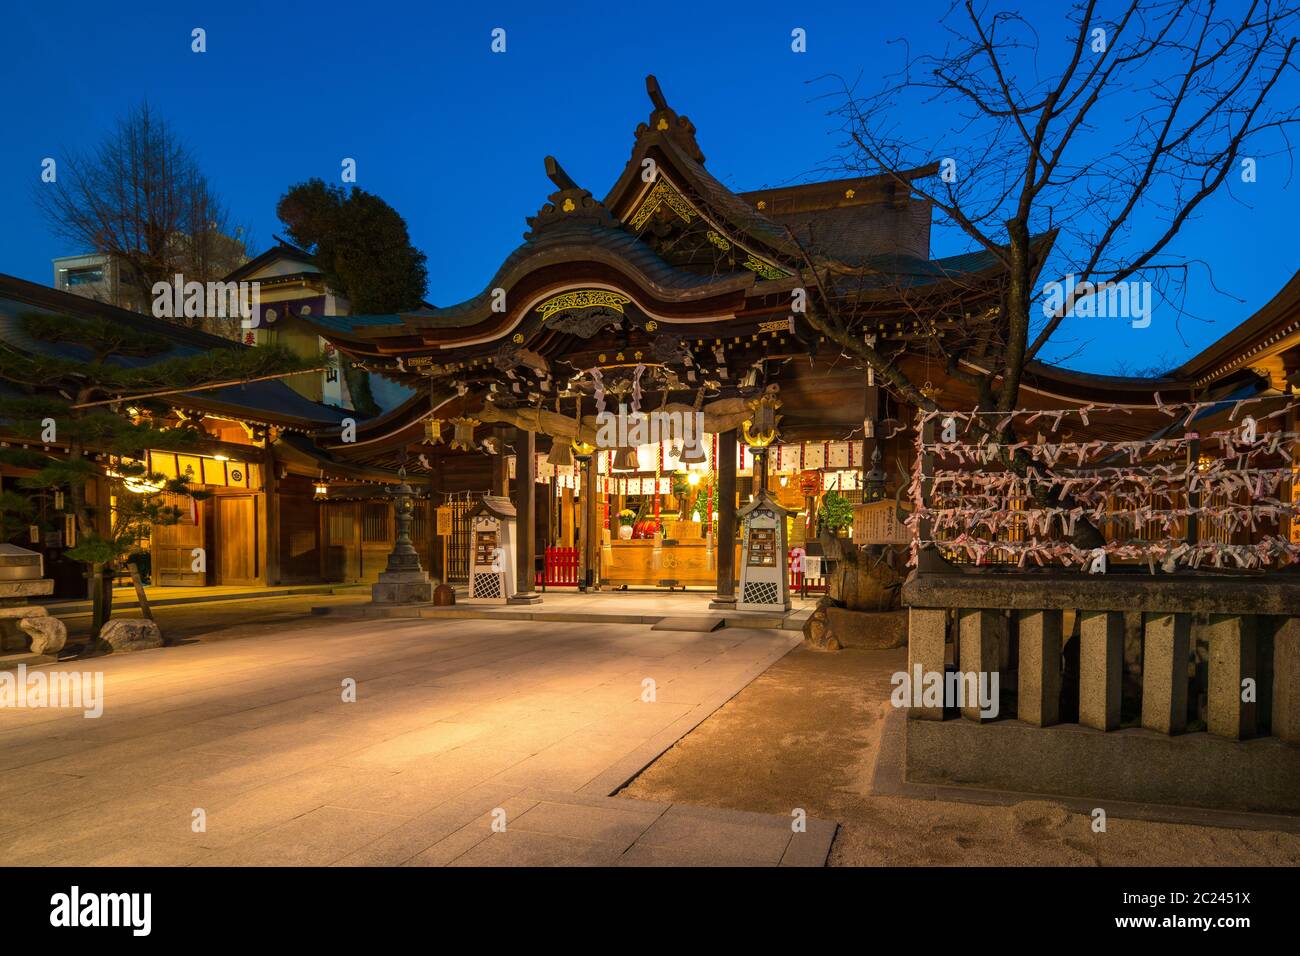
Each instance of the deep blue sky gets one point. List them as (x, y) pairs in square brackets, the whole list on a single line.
[(453, 136)]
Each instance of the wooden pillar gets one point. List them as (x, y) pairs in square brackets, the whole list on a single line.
[(501, 465), (1039, 684), (588, 572), (1166, 649), (1193, 536), (437, 543), (526, 518), (870, 419), (725, 547), (566, 518), (271, 518)]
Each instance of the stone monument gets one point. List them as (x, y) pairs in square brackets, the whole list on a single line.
[(28, 635), (403, 581)]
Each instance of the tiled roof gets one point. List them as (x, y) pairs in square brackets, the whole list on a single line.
[(570, 238), (273, 398)]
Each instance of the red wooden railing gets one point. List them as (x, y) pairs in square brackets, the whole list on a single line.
[(561, 568)]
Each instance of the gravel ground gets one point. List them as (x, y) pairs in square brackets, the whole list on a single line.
[(806, 734)]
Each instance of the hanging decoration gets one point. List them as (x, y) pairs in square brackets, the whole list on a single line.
[(1140, 494), (560, 455), (463, 437), (760, 429)]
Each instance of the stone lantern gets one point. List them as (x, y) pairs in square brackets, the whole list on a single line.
[(492, 555), (28, 635), (764, 584), (403, 581)]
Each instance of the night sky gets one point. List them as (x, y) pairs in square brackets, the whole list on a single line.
[(453, 136)]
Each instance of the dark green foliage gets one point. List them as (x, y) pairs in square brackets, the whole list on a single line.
[(360, 243), (91, 416), (363, 400), (836, 512)]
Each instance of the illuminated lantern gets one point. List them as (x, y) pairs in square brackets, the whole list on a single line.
[(322, 491), (764, 583), (463, 438), (492, 558), (433, 431)]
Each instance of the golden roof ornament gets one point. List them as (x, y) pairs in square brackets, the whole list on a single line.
[(665, 120), (760, 429), (569, 203)]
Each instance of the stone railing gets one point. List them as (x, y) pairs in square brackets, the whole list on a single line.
[(1134, 661)]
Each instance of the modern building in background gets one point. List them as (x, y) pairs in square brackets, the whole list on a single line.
[(95, 276)]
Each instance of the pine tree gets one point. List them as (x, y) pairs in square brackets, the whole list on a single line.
[(81, 410), (361, 244)]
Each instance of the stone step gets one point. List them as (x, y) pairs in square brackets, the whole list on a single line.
[(695, 623), (11, 661)]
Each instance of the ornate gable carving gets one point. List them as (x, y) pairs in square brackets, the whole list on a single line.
[(664, 120), (568, 204)]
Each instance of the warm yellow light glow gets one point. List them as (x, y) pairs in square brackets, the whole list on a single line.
[(693, 478), (221, 458), (136, 485)]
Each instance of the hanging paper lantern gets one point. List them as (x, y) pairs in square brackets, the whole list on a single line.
[(560, 455), (463, 438), (433, 431)]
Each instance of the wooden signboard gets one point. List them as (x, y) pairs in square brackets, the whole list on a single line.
[(876, 523), (485, 546), (444, 521), (762, 548)]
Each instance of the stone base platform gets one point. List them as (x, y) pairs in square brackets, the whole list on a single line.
[(1066, 760), (613, 608), (10, 662)]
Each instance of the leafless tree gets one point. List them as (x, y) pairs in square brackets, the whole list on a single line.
[(140, 198), (1080, 147)]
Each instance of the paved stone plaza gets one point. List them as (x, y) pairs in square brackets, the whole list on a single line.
[(456, 724)]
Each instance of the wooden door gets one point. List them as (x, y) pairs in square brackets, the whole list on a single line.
[(236, 533), (174, 544)]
